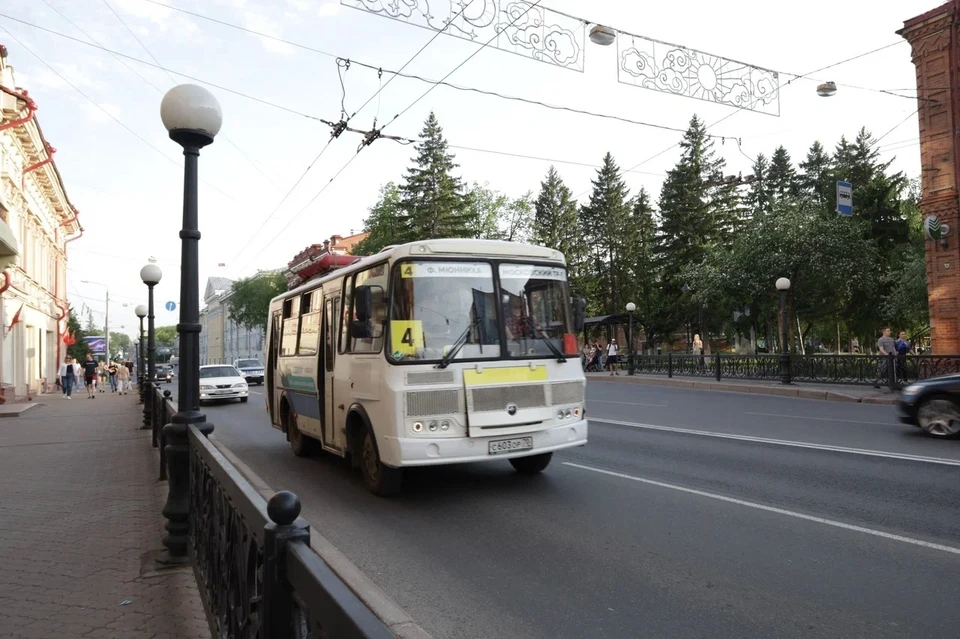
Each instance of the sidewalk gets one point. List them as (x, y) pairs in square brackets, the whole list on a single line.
[(831, 392), (80, 511)]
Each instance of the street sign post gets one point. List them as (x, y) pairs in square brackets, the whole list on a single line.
[(844, 198)]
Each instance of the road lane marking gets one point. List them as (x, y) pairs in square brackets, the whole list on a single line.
[(823, 419), (256, 393), (627, 403), (772, 509), (785, 442)]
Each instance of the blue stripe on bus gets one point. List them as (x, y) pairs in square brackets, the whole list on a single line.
[(303, 404)]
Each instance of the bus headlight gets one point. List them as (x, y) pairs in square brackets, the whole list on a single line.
[(433, 425), (560, 414), (567, 413), (576, 412), (445, 425), (417, 427)]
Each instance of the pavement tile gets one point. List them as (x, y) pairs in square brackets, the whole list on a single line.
[(81, 506)]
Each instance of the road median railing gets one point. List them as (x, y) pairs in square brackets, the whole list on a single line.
[(257, 575), (868, 370)]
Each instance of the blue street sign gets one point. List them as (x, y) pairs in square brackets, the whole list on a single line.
[(170, 306), (844, 198)]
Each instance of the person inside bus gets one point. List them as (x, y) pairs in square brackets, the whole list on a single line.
[(519, 325)]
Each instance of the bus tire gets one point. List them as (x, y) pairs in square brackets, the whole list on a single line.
[(300, 444), (379, 479), (531, 465)]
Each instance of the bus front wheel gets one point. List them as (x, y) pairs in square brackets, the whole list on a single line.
[(379, 479), (531, 465)]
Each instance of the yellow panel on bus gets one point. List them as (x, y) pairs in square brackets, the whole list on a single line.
[(505, 375), (406, 336)]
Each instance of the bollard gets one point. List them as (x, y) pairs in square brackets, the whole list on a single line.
[(284, 527)]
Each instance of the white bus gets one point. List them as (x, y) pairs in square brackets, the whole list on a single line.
[(433, 352)]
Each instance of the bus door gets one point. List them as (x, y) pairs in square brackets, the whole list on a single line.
[(331, 314), (273, 392)]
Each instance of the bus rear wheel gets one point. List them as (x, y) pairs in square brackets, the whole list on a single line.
[(531, 465), (379, 479), (301, 445)]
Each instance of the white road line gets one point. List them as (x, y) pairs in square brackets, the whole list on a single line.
[(256, 393), (785, 442), (772, 509), (823, 419), (606, 401)]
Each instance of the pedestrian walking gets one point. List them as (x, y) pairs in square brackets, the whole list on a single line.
[(90, 373), (123, 379), (102, 377), (612, 357), (903, 347), (112, 373), (69, 372), (886, 345)]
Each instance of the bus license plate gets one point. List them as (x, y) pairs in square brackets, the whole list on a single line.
[(502, 446)]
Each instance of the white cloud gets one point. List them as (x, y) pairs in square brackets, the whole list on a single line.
[(269, 26), (329, 10), (97, 114)]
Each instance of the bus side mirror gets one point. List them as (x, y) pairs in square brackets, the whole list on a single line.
[(579, 314), (363, 304), (361, 329)]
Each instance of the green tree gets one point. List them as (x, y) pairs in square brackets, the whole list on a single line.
[(604, 224), (384, 222), (758, 197), (642, 229), (814, 177), (249, 301), (555, 224), (487, 208), (782, 176), (79, 350), (433, 201), (515, 223), (120, 342), (91, 326), (165, 335)]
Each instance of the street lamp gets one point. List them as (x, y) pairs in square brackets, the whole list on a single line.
[(141, 311), (783, 285), (604, 36), (827, 89), (150, 274), (631, 307), (193, 118), (106, 319)]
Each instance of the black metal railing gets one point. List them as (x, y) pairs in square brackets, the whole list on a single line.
[(877, 370), (255, 570)]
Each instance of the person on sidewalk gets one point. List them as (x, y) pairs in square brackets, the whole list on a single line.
[(612, 357), (112, 372), (69, 372), (90, 373), (886, 345), (903, 347), (123, 379), (102, 376)]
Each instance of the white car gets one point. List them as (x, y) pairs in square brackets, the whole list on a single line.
[(219, 381)]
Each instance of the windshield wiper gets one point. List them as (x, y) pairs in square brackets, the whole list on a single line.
[(539, 334), (457, 345)]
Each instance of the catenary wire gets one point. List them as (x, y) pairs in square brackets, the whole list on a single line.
[(107, 113)]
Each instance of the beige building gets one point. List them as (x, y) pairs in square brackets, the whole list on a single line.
[(36, 223)]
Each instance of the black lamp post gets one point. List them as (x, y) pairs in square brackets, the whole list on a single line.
[(141, 311), (193, 117), (631, 307), (783, 285), (150, 274)]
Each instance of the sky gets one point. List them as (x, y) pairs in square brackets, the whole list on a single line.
[(124, 174)]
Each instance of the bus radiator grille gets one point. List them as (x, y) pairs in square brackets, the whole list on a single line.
[(433, 402), (492, 398)]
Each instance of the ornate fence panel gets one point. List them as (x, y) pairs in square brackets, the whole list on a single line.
[(257, 574)]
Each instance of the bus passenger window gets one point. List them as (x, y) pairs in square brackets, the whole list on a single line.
[(309, 333), (288, 344)]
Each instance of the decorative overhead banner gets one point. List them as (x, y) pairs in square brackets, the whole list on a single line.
[(540, 33), (690, 73)]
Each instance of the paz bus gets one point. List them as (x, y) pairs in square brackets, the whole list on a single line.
[(435, 352)]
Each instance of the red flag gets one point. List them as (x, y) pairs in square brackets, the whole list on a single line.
[(69, 339), (16, 318)]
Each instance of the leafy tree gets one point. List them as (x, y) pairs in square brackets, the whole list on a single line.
[(604, 223), (165, 335), (120, 342), (384, 222), (515, 223), (249, 302), (433, 202), (79, 350), (487, 208)]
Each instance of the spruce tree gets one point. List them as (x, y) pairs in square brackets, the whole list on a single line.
[(555, 214), (814, 178), (757, 199), (642, 241), (433, 202), (603, 225), (782, 177)]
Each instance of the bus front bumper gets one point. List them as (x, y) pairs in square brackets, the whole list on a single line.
[(435, 451)]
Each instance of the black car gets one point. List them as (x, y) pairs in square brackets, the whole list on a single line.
[(164, 374), (933, 405)]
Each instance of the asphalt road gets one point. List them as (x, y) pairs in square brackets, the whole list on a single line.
[(847, 524)]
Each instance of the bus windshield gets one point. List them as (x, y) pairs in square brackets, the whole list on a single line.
[(437, 304), (535, 308)]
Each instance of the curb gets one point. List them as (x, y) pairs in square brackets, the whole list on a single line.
[(16, 410), (802, 393), (393, 616)]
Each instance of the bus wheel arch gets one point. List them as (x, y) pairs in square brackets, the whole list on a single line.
[(379, 479)]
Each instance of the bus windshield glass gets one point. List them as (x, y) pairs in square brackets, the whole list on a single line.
[(535, 308), (437, 304)]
